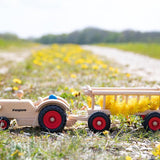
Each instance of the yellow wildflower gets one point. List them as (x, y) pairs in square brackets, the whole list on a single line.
[(80, 61), (105, 132), (72, 102), (128, 158), (20, 154), (156, 151), (76, 94), (73, 76), (15, 152), (58, 67), (72, 90), (143, 104), (104, 66), (95, 67), (16, 80), (67, 60), (15, 88), (155, 102), (128, 75), (89, 101), (116, 70), (84, 66), (109, 102), (37, 62), (111, 68), (88, 61), (132, 103)]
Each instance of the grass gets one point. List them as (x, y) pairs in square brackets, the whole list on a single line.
[(148, 49), (12, 45), (62, 70)]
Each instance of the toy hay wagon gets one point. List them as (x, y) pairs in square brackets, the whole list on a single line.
[(99, 117), (50, 113)]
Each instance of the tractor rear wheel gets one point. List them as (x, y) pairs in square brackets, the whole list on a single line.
[(52, 118), (4, 123)]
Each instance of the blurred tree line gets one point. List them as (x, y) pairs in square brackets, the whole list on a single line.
[(91, 36), (8, 36), (94, 35), (9, 40)]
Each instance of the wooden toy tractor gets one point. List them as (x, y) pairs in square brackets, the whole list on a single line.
[(50, 113)]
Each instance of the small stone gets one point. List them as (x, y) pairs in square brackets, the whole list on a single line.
[(129, 149), (8, 89), (27, 134), (145, 149), (144, 156)]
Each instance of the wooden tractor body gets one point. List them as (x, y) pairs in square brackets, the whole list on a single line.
[(49, 113)]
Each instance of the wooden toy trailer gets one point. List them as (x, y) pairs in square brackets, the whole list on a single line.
[(99, 119)]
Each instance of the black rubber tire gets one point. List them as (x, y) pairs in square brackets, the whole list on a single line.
[(148, 118), (95, 115), (142, 120), (8, 122), (52, 108)]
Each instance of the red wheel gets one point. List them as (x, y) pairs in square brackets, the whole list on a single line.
[(154, 123), (4, 123), (52, 119), (99, 123)]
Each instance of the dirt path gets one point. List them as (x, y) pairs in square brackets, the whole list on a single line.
[(8, 58), (146, 67)]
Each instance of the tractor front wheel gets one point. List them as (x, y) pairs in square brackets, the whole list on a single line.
[(152, 122), (99, 122), (4, 123)]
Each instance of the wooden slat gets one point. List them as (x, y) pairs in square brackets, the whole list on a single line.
[(101, 110), (146, 112), (104, 102), (96, 92), (124, 89), (138, 98), (115, 98), (126, 99), (93, 102)]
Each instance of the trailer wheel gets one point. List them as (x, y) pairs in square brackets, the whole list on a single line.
[(152, 122), (98, 122), (4, 123), (52, 118)]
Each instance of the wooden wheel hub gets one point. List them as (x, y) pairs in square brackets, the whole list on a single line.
[(155, 123), (99, 123), (52, 119), (1, 124)]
